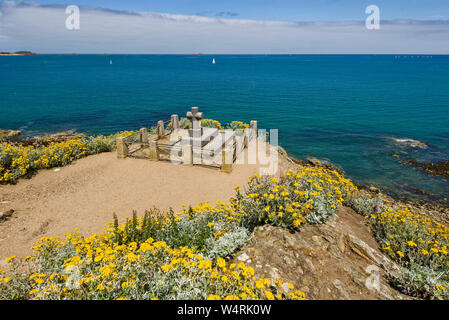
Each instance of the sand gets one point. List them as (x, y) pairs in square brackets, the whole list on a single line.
[(85, 194)]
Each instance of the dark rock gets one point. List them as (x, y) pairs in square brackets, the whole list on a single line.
[(8, 134), (50, 138), (439, 168), (6, 215), (420, 191), (325, 164)]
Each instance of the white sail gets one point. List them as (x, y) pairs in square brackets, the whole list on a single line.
[(213, 61)]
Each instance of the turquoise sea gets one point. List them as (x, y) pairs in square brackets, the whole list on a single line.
[(349, 109)]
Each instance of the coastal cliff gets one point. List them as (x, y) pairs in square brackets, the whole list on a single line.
[(309, 233)]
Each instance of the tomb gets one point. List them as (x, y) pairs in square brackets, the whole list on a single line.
[(194, 145)]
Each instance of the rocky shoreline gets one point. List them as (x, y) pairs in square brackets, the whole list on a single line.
[(9, 134), (439, 168), (14, 137)]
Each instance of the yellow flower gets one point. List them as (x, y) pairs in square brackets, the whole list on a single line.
[(297, 222), (269, 295), (400, 253), (131, 257), (411, 244), (221, 262), (33, 292), (10, 259), (440, 287)]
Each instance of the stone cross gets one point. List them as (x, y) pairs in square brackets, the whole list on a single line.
[(196, 117)]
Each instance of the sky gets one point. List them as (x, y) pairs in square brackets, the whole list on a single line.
[(284, 10), (232, 26)]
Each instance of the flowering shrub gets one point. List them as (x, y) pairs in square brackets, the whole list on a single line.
[(311, 194), (237, 125), (211, 123), (185, 123), (192, 227), (420, 245), (18, 160), (120, 264), (417, 243), (365, 203), (176, 255)]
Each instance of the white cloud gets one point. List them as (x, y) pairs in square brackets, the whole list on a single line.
[(41, 28)]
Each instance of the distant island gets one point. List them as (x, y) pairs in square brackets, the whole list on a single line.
[(18, 53)]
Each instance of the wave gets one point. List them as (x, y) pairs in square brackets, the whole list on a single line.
[(410, 143)]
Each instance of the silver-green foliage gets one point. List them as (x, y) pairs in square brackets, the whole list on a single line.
[(227, 244)]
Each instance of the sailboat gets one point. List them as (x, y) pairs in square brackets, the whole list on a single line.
[(110, 61), (213, 61)]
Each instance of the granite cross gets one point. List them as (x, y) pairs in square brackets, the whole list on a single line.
[(196, 117)]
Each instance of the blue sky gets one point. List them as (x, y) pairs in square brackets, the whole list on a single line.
[(227, 27), (284, 10)]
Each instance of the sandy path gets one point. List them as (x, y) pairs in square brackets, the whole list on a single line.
[(85, 194)]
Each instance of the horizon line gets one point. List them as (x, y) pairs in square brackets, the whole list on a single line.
[(239, 54)]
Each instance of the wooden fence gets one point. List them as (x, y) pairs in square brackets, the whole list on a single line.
[(157, 146)]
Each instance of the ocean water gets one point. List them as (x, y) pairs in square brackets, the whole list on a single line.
[(349, 109)]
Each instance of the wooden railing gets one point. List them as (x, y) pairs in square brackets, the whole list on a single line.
[(150, 146)]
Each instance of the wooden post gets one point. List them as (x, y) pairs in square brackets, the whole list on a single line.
[(174, 121), (154, 154), (245, 137), (226, 159), (160, 129), (144, 136), (254, 127), (122, 148), (239, 144), (187, 155)]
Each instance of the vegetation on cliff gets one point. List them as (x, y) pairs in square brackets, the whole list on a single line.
[(183, 255), (179, 256), (17, 160)]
